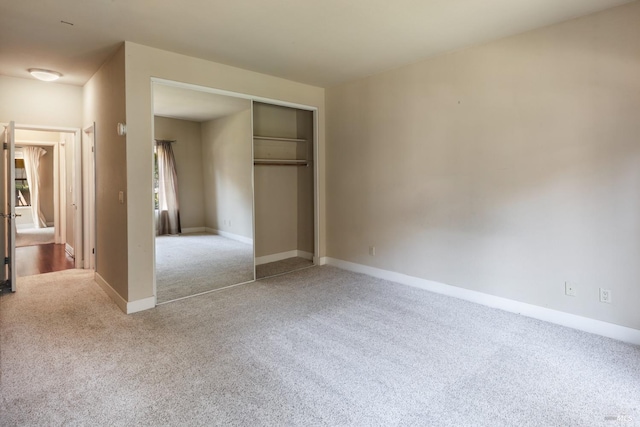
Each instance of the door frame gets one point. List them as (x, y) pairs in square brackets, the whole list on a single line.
[(60, 198), (87, 152)]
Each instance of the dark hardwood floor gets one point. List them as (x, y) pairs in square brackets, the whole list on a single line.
[(40, 259)]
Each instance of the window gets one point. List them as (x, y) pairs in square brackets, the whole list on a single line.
[(23, 196)]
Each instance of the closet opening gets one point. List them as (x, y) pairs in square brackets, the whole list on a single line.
[(235, 188), (284, 186)]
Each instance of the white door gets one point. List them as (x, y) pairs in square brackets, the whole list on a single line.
[(8, 172)]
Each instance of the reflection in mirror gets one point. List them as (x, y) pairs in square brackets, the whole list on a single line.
[(283, 188), (203, 150)]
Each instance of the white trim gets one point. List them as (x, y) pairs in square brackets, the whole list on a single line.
[(69, 249), (253, 192), (585, 324), (189, 230), (141, 305), (239, 238), (126, 307), (88, 195), (323, 260), (283, 255)]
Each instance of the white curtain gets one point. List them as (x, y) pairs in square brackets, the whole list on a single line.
[(31, 165), (169, 211)]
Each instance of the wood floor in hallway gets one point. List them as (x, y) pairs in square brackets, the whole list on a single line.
[(40, 259)]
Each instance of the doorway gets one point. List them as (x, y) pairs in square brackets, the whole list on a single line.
[(47, 219)]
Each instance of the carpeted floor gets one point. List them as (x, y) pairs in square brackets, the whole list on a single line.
[(282, 266), (34, 236), (320, 346), (193, 263)]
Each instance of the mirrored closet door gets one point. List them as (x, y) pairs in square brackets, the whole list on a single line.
[(283, 189), (203, 191)]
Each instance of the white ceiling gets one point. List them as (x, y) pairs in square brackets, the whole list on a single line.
[(322, 43), (197, 106)]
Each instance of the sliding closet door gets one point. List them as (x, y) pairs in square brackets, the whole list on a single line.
[(212, 141), (283, 188)]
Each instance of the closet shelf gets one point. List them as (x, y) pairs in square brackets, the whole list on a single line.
[(280, 162), (274, 138)]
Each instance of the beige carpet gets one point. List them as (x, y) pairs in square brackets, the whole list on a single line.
[(190, 264), (320, 346), (34, 236)]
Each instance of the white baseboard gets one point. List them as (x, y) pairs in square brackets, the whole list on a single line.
[(283, 255), (237, 237), (189, 230), (586, 324), (69, 249), (141, 305), (126, 307)]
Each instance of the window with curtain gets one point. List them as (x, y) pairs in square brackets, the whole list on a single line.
[(168, 221)]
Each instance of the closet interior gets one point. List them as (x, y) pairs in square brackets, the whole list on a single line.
[(283, 188)]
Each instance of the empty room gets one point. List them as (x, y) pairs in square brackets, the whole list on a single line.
[(326, 213)]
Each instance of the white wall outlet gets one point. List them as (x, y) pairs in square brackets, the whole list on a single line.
[(605, 295), (121, 197), (372, 250), (570, 289)]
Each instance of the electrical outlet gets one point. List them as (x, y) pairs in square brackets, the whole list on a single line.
[(570, 289), (372, 250), (605, 295)]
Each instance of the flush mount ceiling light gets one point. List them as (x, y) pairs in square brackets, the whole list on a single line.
[(44, 75)]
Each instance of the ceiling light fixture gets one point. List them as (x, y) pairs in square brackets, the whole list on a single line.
[(44, 75)]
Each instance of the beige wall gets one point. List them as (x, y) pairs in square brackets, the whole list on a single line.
[(104, 103), (141, 64), (188, 153), (32, 102), (508, 168), (227, 166)]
